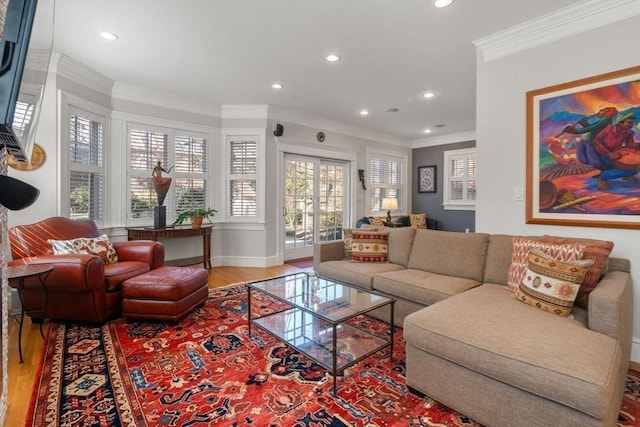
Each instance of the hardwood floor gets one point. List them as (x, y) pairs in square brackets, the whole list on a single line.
[(22, 376)]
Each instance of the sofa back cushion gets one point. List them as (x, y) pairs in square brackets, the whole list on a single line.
[(496, 268), (31, 240), (449, 253), (400, 243)]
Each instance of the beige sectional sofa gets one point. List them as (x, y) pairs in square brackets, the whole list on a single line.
[(473, 347)]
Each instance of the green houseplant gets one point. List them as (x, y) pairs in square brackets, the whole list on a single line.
[(195, 216)]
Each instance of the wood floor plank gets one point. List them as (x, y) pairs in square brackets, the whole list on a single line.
[(22, 376)]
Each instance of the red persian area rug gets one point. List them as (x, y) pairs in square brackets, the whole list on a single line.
[(205, 370)]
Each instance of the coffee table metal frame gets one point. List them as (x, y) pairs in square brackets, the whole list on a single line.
[(334, 318)]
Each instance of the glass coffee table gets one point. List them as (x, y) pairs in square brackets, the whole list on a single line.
[(315, 319)]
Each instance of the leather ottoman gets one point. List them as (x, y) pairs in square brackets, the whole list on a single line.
[(164, 294)]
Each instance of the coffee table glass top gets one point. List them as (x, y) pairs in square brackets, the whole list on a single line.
[(323, 297)]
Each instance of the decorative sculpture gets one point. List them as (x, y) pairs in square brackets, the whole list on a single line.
[(161, 185)]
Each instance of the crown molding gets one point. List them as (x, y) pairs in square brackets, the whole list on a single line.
[(303, 119), (568, 21), (76, 71), (244, 111), (444, 139)]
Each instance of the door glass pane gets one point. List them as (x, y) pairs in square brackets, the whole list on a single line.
[(299, 201), (331, 207)]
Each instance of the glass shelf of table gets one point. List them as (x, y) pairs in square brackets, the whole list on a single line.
[(329, 300), (314, 337)]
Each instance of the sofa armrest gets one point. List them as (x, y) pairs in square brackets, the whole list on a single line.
[(327, 251), (611, 308), (147, 251), (71, 273)]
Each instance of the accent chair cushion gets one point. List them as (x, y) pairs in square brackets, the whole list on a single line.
[(369, 246), (596, 250), (418, 220), (520, 257), (550, 284), (100, 246)]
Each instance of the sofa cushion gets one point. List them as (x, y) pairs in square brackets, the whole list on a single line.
[(369, 246), (551, 285), (520, 256), (486, 330), (421, 286), (449, 254), (596, 250), (400, 243), (355, 273), (496, 267)]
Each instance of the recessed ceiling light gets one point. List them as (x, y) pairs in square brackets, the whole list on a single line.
[(332, 58), (108, 35), (427, 131), (442, 3), (364, 113), (428, 94), (277, 85)]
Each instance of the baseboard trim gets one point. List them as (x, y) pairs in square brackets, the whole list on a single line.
[(635, 351)]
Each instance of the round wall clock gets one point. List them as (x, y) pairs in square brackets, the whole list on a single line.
[(38, 157), (320, 136)]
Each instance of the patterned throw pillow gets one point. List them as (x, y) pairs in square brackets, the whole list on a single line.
[(377, 221), (418, 220), (369, 246), (520, 255), (100, 246), (597, 251), (551, 285)]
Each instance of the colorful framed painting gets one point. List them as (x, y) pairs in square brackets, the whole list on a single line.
[(427, 179), (583, 152)]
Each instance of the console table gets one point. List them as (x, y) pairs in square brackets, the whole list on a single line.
[(176, 232)]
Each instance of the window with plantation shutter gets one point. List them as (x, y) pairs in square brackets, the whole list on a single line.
[(183, 154), (386, 180), (86, 165), (243, 178), (460, 171)]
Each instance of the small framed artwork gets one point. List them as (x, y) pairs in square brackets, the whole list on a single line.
[(427, 179)]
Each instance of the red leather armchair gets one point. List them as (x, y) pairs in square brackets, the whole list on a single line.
[(80, 287)]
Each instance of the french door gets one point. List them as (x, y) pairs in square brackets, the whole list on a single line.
[(315, 202)]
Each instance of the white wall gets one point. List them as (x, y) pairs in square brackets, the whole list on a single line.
[(501, 88)]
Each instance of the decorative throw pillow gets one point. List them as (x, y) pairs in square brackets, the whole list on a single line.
[(377, 221), (520, 254), (100, 246), (550, 284), (597, 251), (369, 246), (346, 236), (418, 220)]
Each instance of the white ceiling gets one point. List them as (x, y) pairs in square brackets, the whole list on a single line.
[(231, 51)]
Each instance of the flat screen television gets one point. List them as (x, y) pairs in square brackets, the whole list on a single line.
[(27, 39)]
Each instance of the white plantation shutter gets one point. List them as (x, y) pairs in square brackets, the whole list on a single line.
[(22, 117), (185, 153), (385, 180), (86, 165), (460, 179), (243, 163)]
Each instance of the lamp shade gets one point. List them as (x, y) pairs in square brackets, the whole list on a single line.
[(390, 203), (16, 194)]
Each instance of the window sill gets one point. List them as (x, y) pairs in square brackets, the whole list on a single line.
[(458, 207)]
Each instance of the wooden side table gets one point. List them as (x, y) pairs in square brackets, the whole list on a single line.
[(16, 276), (176, 232)]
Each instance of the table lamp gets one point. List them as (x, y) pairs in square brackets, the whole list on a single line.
[(390, 204)]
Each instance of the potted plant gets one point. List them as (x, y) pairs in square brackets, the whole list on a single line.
[(196, 216)]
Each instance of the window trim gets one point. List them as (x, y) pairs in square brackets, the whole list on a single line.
[(171, 132), (259, 134), (447, 203), (68, 105), (405, 198)]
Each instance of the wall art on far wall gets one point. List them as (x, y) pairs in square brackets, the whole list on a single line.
[(427, 179), (583, 152)]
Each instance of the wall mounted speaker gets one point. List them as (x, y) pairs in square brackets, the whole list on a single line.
[(279, 130)]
